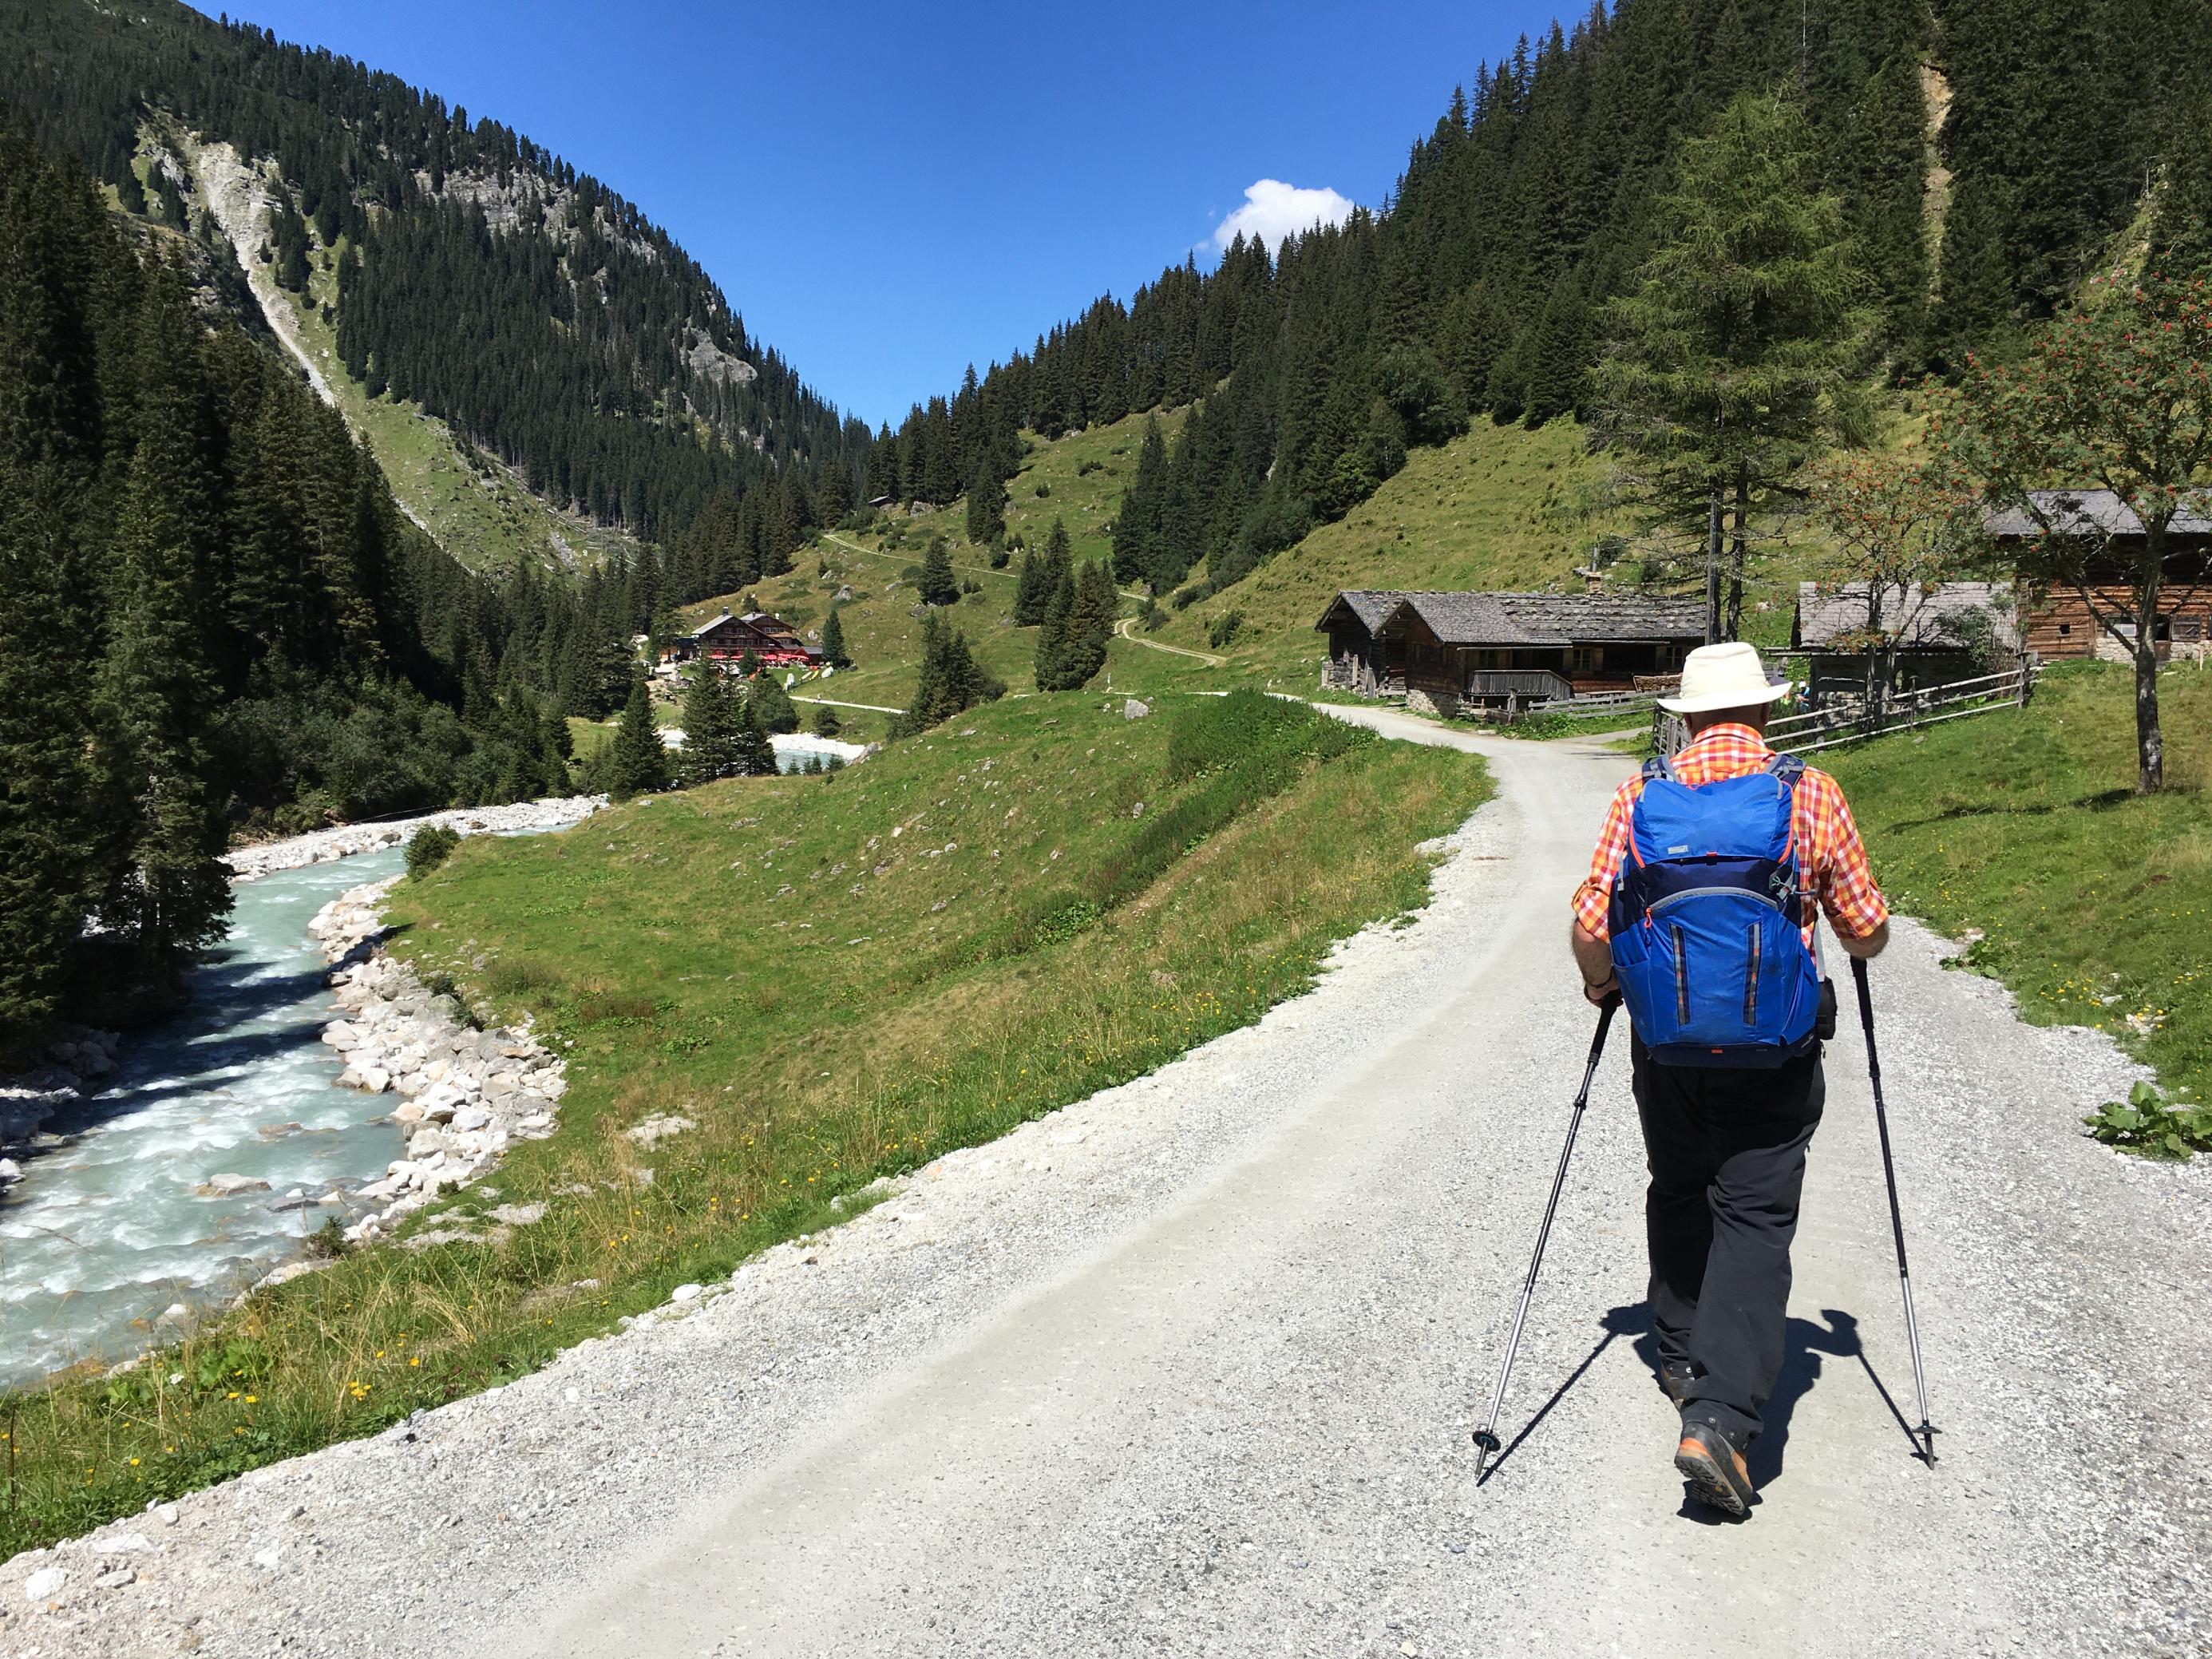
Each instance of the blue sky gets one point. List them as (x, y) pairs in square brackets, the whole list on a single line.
[(887, 191)]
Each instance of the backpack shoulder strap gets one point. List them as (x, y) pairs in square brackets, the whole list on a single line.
[(1660, 767), (1788, 767)]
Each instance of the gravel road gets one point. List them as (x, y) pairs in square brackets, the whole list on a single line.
[(1190, 1367)]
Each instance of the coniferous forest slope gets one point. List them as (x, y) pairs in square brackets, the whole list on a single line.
[(598, 364), (211, 614), (1985, 155)]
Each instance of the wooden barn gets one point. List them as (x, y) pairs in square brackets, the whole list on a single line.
[(2056, 624), (773, 642), (1444, 652), (1955, 633)]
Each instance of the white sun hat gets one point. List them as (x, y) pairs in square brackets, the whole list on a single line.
[(1722, 677)]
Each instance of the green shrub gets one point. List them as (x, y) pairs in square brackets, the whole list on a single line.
[(428, 847), (1223, 628), (2156, 1125), (1043, 490)]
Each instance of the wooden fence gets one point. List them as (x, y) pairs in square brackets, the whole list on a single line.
[(1853, 721)]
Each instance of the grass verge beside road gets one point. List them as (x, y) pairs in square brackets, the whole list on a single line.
[(833, 978), (2091, 902)]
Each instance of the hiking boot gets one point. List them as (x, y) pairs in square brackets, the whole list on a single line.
[(1674, 1378), (1714, 1468)]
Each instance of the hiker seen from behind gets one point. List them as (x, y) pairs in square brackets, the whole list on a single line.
[(1701, 910)]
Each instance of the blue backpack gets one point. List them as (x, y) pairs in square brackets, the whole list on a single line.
[(1705, 918)]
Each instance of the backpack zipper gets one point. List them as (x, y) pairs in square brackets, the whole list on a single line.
[(1681, 981), (1751, 984), (1673, 899)]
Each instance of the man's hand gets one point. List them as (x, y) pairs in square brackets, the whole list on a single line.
[(1593, 958), (1867, 946)]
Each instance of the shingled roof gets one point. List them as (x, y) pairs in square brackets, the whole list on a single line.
[(2086, 513), (1823, 618), (1530, 619), (1371, 606)]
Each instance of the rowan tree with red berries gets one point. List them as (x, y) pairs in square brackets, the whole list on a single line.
[(2115, 394)]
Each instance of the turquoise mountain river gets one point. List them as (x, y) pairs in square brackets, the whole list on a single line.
[(106, 1230)]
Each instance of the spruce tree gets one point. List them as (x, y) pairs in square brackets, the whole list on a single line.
[(1040, 577), (1137, 522), (156, 689), (710, 727), (49, 435), (1050, 670), (756, 755), (833, 641), (986, 505), (951, 679), (939, 584), (826, 723), (1090, 625), (639, 762), (776, 712)]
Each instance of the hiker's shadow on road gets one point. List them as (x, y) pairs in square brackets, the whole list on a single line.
[(1805, 1347)]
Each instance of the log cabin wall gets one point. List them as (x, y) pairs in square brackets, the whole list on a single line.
[(2058, 626)]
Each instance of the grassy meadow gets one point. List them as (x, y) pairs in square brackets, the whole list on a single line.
[(1499, 507), (833, 978), (2094, 904)]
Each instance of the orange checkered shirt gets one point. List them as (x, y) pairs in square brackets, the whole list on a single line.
[(1832, 861)]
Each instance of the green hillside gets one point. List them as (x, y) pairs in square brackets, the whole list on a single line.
[(1502, 506), (833, 978)]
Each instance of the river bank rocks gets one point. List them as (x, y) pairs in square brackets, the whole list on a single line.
[(463, 1094), (344, 840), (70, 1065)]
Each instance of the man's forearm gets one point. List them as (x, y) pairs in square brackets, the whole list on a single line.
[(1592, 956)]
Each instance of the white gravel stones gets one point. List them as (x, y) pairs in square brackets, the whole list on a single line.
[(686, 1292), (320, 846), (46, 1583)]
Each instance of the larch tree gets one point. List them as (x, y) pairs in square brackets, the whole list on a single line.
[(2115, 395), (1743, 350)]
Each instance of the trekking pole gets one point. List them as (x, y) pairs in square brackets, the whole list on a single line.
[(1925, 1435), (1487, 1438)]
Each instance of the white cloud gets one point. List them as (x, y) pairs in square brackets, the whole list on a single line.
[(1273, 211)]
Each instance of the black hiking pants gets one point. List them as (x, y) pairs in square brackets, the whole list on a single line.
[(1726, 1148)]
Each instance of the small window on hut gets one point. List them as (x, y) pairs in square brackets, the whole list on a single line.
[(2065, 628)]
